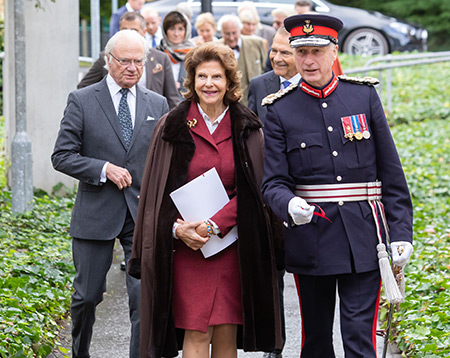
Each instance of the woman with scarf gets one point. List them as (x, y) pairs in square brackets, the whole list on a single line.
[(230, 299), (176, 42)]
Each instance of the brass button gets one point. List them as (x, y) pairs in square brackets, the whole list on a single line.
[(324, 105), (340, 203), (303, 145), (330, 129), (335, 153), (338, 178)]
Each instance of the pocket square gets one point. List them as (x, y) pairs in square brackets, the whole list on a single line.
[(158, 68), (150, 118)]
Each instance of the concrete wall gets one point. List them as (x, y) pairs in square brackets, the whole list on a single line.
[(51, 40)]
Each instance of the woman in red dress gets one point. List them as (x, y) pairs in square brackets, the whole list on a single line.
[(230, 299)]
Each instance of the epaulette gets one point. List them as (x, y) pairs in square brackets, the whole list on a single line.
[(371, 81), (271, 98)]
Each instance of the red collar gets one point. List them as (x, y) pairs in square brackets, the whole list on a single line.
[(320, 93)]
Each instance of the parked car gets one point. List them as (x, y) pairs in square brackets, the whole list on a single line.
[(365, 32)]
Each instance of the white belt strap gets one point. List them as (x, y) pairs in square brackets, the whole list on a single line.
[(332, 193)]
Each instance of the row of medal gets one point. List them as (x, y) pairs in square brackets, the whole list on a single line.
[(355, 126)]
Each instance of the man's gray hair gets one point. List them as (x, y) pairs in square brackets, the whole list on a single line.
[(124, 35), (229, 18)]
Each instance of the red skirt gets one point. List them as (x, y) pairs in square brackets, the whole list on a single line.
[(206, 292)]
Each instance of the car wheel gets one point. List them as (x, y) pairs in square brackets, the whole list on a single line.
[(366, 42)]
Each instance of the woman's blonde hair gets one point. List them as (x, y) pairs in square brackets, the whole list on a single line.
[(205, 18), (212, 51)]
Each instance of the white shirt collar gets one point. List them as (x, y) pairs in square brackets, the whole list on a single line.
[(211, 125), (294, 79), (114, 88), (129, 8)]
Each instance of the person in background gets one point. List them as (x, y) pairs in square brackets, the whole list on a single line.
[(153, 31), (206, 27), (130, 6), (249, 51), (230, 296), (279, 15), (333, 175), (103, 139), (252, 24), (303, 6), (186, 9), (284, 73), (176, 43), (157, 73)]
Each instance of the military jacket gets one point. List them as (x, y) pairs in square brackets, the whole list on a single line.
[(305, 143)]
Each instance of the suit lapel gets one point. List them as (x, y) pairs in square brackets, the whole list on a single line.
[(106, 104), (142, 102), (272, 83)]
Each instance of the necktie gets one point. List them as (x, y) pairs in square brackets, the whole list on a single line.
[(125, 117), (285, 84), (153, 41)]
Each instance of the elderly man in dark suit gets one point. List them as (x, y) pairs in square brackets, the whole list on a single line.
[(284, 73), (103, 142), (130, 6), (157, 76)]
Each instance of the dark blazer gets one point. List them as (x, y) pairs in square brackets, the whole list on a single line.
[(89, 136), (114, 22), (158, 70), (259, 88), (305, 144)]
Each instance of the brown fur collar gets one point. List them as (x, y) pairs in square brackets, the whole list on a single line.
[(243, 119)]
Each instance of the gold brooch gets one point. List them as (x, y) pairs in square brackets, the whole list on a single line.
[(192, 124)]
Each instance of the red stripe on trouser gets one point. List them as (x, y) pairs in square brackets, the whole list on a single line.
[(301, 310), (375, 321)]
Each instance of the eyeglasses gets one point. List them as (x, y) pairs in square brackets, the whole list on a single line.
[(125, 62)]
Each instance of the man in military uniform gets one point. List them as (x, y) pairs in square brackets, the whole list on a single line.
[(332, 173)]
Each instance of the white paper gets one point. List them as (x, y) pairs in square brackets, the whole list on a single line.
[(199, 200)]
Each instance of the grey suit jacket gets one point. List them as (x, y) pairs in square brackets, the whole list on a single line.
[(158, 70), (89, 136), (259, 88)]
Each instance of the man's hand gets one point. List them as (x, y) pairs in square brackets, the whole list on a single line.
[(299, 210), (187, 231), (401, 252), (118, 175)]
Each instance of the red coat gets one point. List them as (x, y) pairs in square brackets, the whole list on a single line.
[(167, 165)]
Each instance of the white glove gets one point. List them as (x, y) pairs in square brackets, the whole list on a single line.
[(299, 210), (401, 252)]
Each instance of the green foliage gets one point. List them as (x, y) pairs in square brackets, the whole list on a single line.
[(422, 326), (418, 93), (35, 275), (105, 9), (433, 15), (3, 166)]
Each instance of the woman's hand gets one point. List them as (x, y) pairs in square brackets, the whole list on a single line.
[(187, 231)]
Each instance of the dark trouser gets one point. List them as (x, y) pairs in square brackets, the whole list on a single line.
[(280, 274), (359, 299), (92, 260)]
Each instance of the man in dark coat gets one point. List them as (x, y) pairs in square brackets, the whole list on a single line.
[(328, 143), (170, 152), (102, 142), (158, 75)]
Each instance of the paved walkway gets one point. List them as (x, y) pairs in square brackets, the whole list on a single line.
[(112, 327)]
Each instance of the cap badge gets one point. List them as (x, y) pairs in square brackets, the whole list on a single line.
[(307, 27)]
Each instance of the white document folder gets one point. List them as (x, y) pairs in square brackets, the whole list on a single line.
[(199, 200)]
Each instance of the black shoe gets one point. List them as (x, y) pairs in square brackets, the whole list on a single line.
[(123, 266)]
